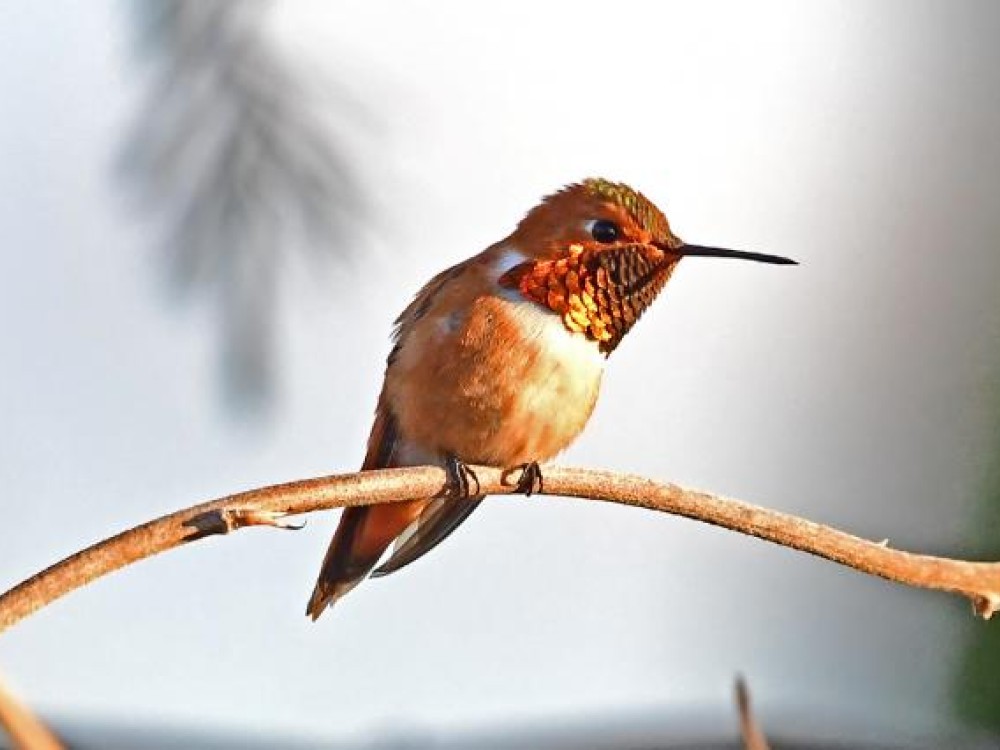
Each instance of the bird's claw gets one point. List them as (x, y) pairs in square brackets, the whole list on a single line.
[(530, 480), (460, 479)]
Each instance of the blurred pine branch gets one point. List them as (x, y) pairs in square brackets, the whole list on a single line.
[(229, 154)]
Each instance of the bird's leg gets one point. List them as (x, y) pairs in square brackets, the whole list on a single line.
[(530, 480), (459, 476)]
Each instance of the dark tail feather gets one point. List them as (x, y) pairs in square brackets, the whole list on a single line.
[(362, 536), (434, 526), (338, 575)]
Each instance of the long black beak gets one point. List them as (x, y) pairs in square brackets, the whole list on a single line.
[(721, 252)]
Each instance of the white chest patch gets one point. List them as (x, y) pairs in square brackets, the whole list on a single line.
[(541, 324)]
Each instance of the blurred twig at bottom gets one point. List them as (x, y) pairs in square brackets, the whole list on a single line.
[(25, 730), (751, 733), (979, 581)]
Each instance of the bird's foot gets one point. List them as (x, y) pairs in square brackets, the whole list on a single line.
[(530, 480), (460, 479)]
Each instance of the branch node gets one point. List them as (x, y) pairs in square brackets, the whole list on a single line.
[(986, 605), (206, 524)]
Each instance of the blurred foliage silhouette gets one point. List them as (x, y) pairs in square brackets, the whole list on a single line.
[(229, 154)]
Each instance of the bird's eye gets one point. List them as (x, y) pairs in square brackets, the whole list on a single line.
[(604, 231)]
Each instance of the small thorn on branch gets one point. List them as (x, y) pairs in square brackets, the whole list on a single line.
[(227, 520)]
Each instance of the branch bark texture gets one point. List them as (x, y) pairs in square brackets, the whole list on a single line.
[(978, 581)]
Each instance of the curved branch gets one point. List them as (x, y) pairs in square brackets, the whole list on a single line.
[(978, 581)]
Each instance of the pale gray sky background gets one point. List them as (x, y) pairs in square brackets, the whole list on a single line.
[(859, 389)]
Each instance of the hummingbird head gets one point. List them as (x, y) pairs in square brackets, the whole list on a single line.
[(597, 254)]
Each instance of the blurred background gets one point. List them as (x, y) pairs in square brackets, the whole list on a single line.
[(211, 214)]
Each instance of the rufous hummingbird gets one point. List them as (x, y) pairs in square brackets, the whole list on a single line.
[(498, 361)]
